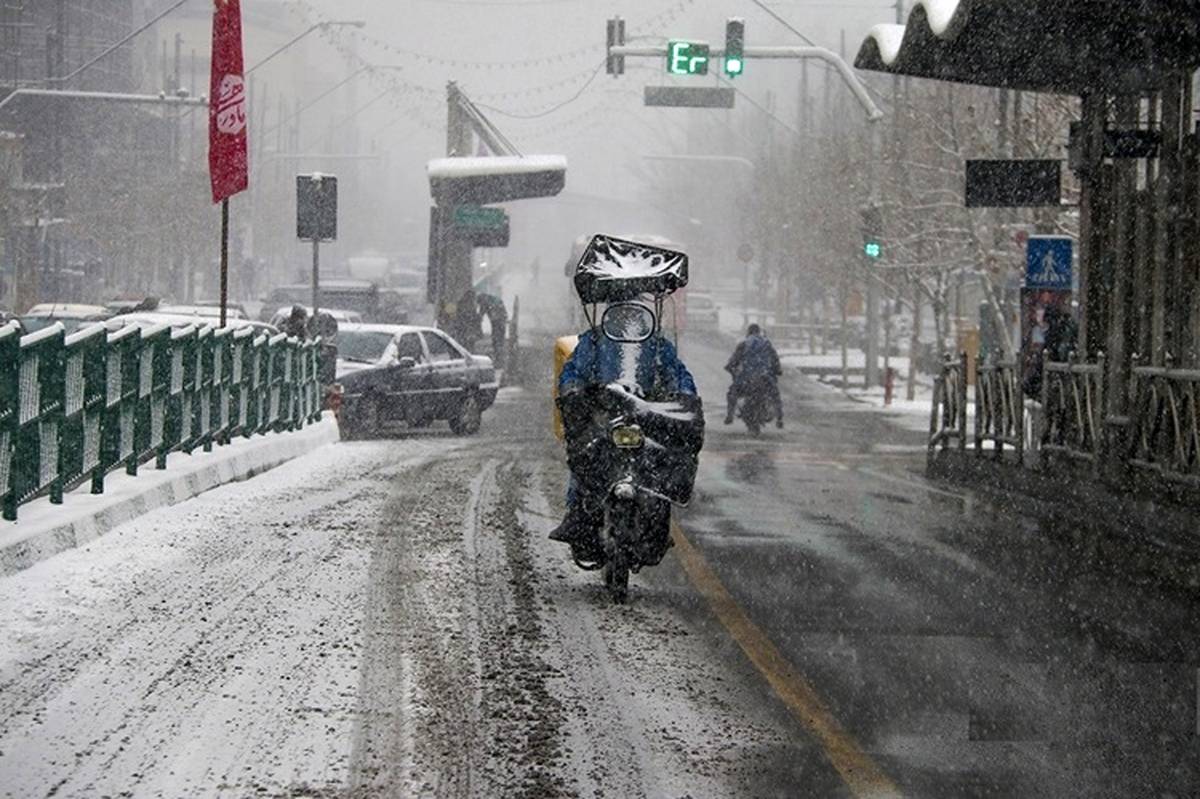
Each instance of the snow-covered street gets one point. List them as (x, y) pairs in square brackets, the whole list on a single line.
[(387, 618), (373, 619)]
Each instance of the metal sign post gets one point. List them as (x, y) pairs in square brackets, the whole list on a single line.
[(316, 221)]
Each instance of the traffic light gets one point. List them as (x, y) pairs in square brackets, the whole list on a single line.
[(872, 231), (615, 64), (735, 46)]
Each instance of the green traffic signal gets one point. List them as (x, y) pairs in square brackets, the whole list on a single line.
[(873, 249), (735, 44)]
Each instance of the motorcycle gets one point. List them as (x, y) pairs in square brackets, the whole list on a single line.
[(755, 406), (634, 460), (634, 457)]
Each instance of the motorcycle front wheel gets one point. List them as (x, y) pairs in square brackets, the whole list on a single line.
[(616, 578)]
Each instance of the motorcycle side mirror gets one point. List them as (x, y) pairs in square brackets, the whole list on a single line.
[(407, 362)]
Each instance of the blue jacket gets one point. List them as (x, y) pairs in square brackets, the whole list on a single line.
[(655, 364), (754, 357)]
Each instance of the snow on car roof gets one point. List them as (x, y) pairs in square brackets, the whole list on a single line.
[(495, 165), (352, 327), (206, 311), (326, 284), (67, 310)]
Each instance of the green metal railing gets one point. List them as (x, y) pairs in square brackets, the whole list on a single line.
[(80, 407)]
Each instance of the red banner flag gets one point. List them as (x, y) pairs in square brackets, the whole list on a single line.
[(227, 161)]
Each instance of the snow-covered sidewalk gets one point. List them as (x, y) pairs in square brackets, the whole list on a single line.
[(904, 413), (43, 529)]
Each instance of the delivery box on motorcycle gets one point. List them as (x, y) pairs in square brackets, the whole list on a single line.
[(616, 270)]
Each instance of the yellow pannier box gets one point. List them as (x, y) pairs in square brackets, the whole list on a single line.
[(563, 348)]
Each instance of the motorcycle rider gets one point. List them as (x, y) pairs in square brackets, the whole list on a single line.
[(754, 359), (653, 367)]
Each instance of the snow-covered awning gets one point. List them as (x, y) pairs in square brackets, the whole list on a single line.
[(494, 179), (1059, 46)]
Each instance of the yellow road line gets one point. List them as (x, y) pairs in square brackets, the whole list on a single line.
[(862, 776)]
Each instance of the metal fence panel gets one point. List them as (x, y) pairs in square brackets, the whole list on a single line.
[(1165, 424), (1073, 410), (35, 454), (121, 380), (85, 396), (999, 408), (948, 421), (10, 352), (102, 399)]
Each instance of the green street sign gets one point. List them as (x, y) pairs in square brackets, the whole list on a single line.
[(687, 58), (478, 217)]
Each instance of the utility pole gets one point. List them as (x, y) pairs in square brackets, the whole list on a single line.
[(871, 377)]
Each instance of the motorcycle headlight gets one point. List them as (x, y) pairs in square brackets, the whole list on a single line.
[(628, 436)]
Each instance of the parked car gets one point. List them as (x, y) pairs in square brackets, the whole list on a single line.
[(417, 375), (701, 313), (342, 317), (353, 295), (204, 312), (73, 316)]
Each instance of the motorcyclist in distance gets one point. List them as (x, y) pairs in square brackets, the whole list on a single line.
[(652, 366), (754, 359)]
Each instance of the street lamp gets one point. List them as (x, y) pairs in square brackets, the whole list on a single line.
[(337, 23)]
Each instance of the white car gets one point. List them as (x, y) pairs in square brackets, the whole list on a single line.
[(701, 311), (73, 316)]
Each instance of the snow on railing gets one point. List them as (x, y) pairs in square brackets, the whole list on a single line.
[(78, 407)]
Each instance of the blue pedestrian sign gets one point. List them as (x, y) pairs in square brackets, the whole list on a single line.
[(1048, 262)]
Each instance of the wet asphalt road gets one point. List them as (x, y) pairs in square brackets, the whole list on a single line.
[(969, 647)]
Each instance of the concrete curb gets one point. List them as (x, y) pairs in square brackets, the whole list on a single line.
[(44, 530)]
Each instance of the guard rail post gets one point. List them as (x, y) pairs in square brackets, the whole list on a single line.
[(10, 352), (287, 413), (275, 384), (163, 393), (962, 402), (303, 382), (1013, 385), (1098, 414), (85, 359), (982, 390), (179, 401), (258, 382), (316, 395), (149, 399), (222, 382), (116, 420), (239, 380), (204, 388)]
